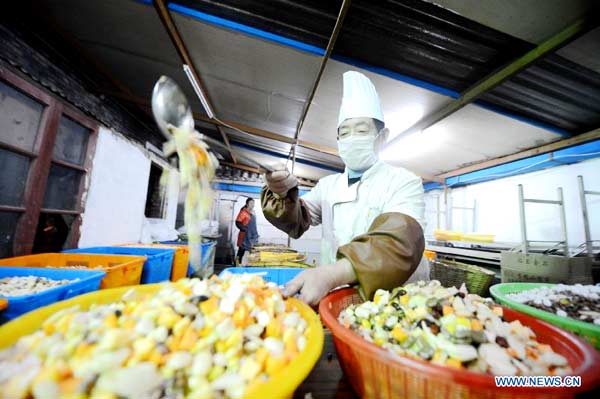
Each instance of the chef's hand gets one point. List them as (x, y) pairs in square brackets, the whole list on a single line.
[(280, 181), (314, 284)]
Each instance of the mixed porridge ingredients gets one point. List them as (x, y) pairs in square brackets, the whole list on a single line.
[(449, 326), (213, 338), (27, 285), (579, 302)]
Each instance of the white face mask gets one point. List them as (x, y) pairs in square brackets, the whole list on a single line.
[(358, 152)]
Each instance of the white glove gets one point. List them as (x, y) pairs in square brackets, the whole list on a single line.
[(314, 284), (280, 181)]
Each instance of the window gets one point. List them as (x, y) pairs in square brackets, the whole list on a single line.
[(155, 198), (44, 157)]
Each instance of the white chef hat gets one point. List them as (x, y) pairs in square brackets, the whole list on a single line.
[(360, 99)]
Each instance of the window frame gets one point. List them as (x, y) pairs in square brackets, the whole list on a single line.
[(41, 160)]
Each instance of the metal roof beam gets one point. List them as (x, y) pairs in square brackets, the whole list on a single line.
[(562, 38), (249, 130), (168, 23), (301, 180), (558, 145), (336, 30)]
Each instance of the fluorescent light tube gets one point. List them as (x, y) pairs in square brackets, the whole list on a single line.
[(199, 92)]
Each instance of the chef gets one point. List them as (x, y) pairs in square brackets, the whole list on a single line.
[(372, 215)]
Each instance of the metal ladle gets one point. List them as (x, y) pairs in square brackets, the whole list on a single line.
[(170, 107)]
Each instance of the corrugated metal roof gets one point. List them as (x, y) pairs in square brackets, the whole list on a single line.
[(554, 91), (445, 51)]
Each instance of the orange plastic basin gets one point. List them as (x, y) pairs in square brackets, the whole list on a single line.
[(375, 372), (121, 270)]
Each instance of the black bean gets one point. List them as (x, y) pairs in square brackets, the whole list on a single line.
[(329, 357), (118, 313), (437, 311), (461, 294), (198, 299), (399, 293), (502, 342)]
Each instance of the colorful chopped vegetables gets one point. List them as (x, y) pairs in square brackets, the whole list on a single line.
[(27, 285), (451, 327), (197, 168), (579, 302), (194, 338)]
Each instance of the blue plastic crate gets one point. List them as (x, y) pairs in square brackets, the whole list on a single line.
[(157, 267), (277, 275), (87, 281), (207, 251)]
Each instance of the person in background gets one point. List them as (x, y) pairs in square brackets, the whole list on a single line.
[(248, 235), (372, 215)]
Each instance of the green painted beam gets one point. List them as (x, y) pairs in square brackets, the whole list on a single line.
[(495, 78)]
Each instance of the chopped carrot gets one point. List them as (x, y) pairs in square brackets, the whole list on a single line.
[(476, 325), (544, 348), (512, 352), (446, 310), (188, 339), (274, 328), (111, 320), (129, 324), (261, 356), (209, 305), (240, 316), (455, 363), (69, 386), (531, 353), (172, 343), (156, 358)]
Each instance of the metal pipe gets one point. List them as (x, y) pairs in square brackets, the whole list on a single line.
[(539, 201), (289, 240), (563, 221), (474, 215), (586, 221), (437, 211), (522, 219), (336, 30), (449, 213), (495, 78)]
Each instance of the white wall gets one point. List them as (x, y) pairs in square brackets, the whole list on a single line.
[(498, 206), (116, 195)]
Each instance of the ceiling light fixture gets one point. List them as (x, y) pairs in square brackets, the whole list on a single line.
[(198, 90), (403, 118), (415, 145)]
